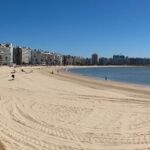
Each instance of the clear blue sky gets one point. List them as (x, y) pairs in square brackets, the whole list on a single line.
[(78, 27)]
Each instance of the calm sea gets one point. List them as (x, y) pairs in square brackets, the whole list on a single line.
[(136, 75)]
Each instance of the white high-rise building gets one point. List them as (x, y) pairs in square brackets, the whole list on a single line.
[(6, 54), (26, 55)]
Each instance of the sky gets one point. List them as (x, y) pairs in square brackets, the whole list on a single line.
[(78, 27)]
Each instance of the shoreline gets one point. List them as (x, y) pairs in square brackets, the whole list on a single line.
[(60, 71), (108, 79), (105, 66), (94, 82)]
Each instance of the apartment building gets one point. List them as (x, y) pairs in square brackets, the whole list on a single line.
[(6, 54), (26, 55), (36, 57)]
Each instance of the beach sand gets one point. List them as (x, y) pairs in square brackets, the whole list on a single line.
[(41, 110), (2, 146)]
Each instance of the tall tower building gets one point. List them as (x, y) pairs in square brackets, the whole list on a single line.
[(94, 59), (6, 54), (11, 53)]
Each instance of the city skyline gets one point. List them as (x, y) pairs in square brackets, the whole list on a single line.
[(80, 27), (17, 55), (56, 52)]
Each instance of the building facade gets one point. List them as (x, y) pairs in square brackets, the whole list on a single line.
[(26, 55), (6, 54), (21, 55), (36, 57), (119, 60), (58, 59), (17, 55), (94, 59)]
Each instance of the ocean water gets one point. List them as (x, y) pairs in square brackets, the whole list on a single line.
[(136, 75)]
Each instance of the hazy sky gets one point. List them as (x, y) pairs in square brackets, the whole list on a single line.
[(78, 27)]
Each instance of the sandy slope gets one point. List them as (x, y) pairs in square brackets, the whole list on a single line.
[(44, 111)]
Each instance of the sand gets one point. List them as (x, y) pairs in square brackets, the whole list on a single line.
[(61, 111), (2, 146)]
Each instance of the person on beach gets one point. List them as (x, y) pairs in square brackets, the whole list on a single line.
[(13, 74), (105, 77), (22, 70)]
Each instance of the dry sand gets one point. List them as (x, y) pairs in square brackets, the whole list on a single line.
[(61, 111), (2, 146)]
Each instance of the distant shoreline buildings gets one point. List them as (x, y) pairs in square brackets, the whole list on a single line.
[(18, 55)]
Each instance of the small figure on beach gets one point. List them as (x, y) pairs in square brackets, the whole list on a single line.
[(13, 74), (106, 78), (22, 70)]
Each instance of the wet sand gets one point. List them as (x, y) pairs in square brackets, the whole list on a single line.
[(61, 111)]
